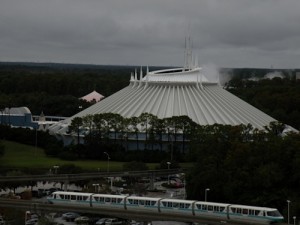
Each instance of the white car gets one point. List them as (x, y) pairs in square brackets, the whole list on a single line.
[(101, 221), (82, 219), (113, 221)]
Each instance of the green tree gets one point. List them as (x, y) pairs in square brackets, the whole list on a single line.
[(76, 126)]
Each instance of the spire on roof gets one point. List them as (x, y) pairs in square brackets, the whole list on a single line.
[(141, 76), (135, 78), (188, 56)]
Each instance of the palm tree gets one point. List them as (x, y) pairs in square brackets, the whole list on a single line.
[(99, 121), (134, 121), (88, 125), (146, 123), (75, 126)]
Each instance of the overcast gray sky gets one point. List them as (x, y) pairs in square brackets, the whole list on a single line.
[(226, 33)]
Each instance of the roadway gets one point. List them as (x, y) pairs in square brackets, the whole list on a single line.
[(87, 176)]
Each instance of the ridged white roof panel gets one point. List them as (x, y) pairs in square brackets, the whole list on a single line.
[(206, 104)]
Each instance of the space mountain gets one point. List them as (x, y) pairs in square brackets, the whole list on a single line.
[(185, 91)]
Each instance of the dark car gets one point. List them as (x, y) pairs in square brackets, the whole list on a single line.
[(70, 216)]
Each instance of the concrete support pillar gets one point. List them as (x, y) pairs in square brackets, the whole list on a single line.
[(152, 180)]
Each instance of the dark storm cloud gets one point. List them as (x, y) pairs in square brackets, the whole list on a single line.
[(232, 33)]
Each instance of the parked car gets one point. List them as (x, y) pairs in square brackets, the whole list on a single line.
[(2, 222), (70, 216), (113, 221), (101, 221), (82, 219), (31, 221)]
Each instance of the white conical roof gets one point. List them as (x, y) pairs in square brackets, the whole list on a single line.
[(177, 92)]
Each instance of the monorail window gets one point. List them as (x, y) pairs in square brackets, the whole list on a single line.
[(216, 208), (175, 205), (233, 210), (204, 207), (222, 208), (119, 200), (182, 205), (107, 199), (238, 210), (152, 203), (147, 202), (113, 200), (210, 208), (256, 212), (135, 202), (96, 199), (245, 211), (73, 197), (141, 202), (101, 199), (164, 204), (169, 204), (130, 201), (273, 213), (62, 196), (187, 206)]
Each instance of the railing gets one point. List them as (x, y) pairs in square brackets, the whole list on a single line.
[(86, 176)]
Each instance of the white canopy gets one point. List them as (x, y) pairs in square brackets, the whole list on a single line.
[(93, 96)]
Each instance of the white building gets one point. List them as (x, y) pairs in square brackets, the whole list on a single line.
[(176, 92)]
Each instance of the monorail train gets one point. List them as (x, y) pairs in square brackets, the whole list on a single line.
[(198, 209)]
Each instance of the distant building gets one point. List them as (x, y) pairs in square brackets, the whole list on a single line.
[(18, 117), (22, 117), (93, 96), (297, 75)]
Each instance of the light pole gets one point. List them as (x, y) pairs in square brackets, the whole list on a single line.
[(288, 202), (294, 217), (169, 163), (55, 169), (206, 190), (35, 149), (96, 187), (108, 158)]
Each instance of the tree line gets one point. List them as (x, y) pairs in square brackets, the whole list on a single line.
[(111, 132), (56, 90), (277, 97), (242, 165)]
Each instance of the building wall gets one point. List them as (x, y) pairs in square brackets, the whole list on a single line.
[(20, 120)]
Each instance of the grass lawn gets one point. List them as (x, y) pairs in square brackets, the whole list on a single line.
[(24, 156)]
